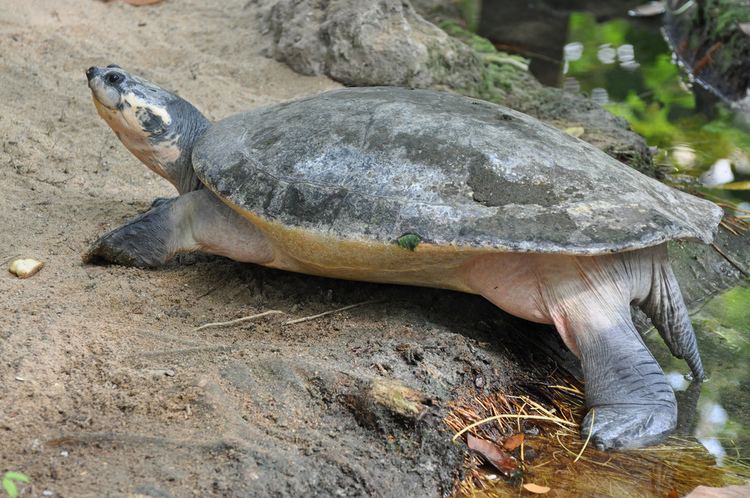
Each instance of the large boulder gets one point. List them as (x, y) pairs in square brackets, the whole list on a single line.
[(364, 42)]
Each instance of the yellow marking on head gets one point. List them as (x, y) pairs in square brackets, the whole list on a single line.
[(136, 102), (129, 130)]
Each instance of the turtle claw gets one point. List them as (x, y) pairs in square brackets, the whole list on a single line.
[(628, 426)]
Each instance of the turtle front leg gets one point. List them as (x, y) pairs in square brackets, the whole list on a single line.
[(195, 221)]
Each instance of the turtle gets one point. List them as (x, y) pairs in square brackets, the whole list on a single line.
[(431, 189)]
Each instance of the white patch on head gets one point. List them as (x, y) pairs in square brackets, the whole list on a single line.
[(137, 102), (129, 129)]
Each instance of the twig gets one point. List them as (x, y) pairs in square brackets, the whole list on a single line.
[(707, 59), (591, 429), (326, 313), (237, 320), (729, 260), (207, 349), (728, 228)]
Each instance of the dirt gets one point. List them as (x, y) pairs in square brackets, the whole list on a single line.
[(106, 389)]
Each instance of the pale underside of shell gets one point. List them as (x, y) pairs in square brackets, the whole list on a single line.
[(373, 164)]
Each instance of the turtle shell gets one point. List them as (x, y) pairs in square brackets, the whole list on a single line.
[(375, 164)]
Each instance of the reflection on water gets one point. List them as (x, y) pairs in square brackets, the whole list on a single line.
[(626, 65), (722, 421)]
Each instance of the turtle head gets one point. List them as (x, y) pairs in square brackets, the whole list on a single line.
[(156, 125)]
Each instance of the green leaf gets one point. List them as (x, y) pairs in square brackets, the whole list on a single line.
[(10, 486), (409, 241), (16, 476)]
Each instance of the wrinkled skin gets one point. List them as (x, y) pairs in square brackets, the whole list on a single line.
[(587, 298)]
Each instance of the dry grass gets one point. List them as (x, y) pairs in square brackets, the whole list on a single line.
[(554, 455)]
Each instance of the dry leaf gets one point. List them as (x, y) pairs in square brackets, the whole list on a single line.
[(491, 452), (535, 488), (513, 442), (673, 494)]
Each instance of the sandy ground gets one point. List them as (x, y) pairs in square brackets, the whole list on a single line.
[(105, 388)]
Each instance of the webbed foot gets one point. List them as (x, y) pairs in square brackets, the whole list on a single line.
[(144, 241), (628, 426), (630, 401)]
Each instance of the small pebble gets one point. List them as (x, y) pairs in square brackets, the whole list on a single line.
[(64, 454), (25, 267), (47, 492)]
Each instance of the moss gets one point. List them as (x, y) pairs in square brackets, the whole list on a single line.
[(500, 71)]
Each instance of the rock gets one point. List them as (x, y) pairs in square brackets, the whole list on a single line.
[(362, 43), (25, 267), (398, 398)]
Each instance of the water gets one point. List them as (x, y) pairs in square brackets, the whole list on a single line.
[(627, 66)]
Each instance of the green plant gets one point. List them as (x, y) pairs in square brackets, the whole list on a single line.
[(9, 482)]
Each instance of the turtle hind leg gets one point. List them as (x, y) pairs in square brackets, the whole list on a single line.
[(666, 308), (195, 221), (630, 401)]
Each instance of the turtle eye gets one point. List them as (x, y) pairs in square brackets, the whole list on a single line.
[(113, 78)]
